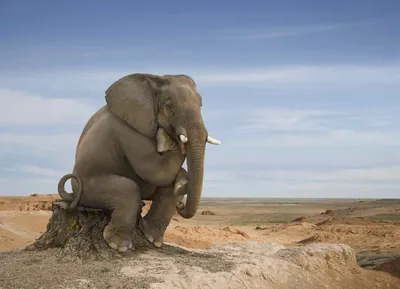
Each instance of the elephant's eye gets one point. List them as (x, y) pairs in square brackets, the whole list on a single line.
[(169, 109), (172, 129)]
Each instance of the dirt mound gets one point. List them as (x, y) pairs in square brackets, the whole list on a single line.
[(244, 265), (386, 201), (259, 228), (365, 208), (327, 212), (26, 206), (289, 233), (313, 239), (204, 237), (349, 221), (187, 242), (35, 202), (378, 236), (300, 219), (208, 213)]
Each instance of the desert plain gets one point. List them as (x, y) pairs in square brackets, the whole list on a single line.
[(371, 227)]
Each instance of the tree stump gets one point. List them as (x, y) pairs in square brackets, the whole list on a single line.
[(79, 233)]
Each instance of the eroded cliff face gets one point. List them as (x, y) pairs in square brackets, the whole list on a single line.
[(261, 265), (245, 265)]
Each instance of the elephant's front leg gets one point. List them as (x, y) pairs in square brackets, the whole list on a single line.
[(156, 221)]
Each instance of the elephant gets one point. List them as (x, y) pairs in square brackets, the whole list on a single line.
[(133, 149), (164, 143)]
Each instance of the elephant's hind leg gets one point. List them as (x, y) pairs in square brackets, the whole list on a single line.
[(121, 195), (156, 221)]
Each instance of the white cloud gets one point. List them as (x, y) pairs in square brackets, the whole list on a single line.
[(302, 120), (316, 75), (61, 81), (36, 170), (278, 32), (27, 186), (280, 127), (340, 137), (50, 181), (286, 31), (359, 175), (314, 190), (286, 120), (217, 176), (20, 108), (43, 143), (374, 182)]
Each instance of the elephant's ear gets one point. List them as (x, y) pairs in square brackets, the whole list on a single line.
[(133, 99)]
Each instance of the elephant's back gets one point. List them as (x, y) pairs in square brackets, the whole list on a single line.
[(97, 147), (92, 121)]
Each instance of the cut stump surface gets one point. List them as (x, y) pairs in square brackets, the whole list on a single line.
[(79, 233)]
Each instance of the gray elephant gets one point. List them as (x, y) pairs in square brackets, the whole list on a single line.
[(133, 149)]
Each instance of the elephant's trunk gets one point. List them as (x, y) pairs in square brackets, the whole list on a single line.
[(195, 150)]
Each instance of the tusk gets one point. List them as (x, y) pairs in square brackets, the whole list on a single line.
[(213, 141), (183, 138)]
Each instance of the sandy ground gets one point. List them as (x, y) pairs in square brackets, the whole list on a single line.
[(370, 227)]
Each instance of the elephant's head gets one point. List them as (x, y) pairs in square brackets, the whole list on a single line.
[(147, 102)]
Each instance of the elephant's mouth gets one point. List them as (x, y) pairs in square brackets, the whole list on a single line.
[(182, 147)]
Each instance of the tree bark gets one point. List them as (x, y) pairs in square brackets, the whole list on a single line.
[(79, 233)]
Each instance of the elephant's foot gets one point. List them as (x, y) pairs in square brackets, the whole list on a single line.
[(180, 187), (153, 229), (117, 239), (180, 205), (180, 184)]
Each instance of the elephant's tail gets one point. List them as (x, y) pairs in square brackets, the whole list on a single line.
[(73, 198)]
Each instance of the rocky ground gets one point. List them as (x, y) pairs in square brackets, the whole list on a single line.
[(230, 245), (240, 265)]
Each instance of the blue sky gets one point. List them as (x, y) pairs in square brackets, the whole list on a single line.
[(304, 97)]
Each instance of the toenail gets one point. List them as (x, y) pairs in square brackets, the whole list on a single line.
[(150, 238), (113, 245)]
